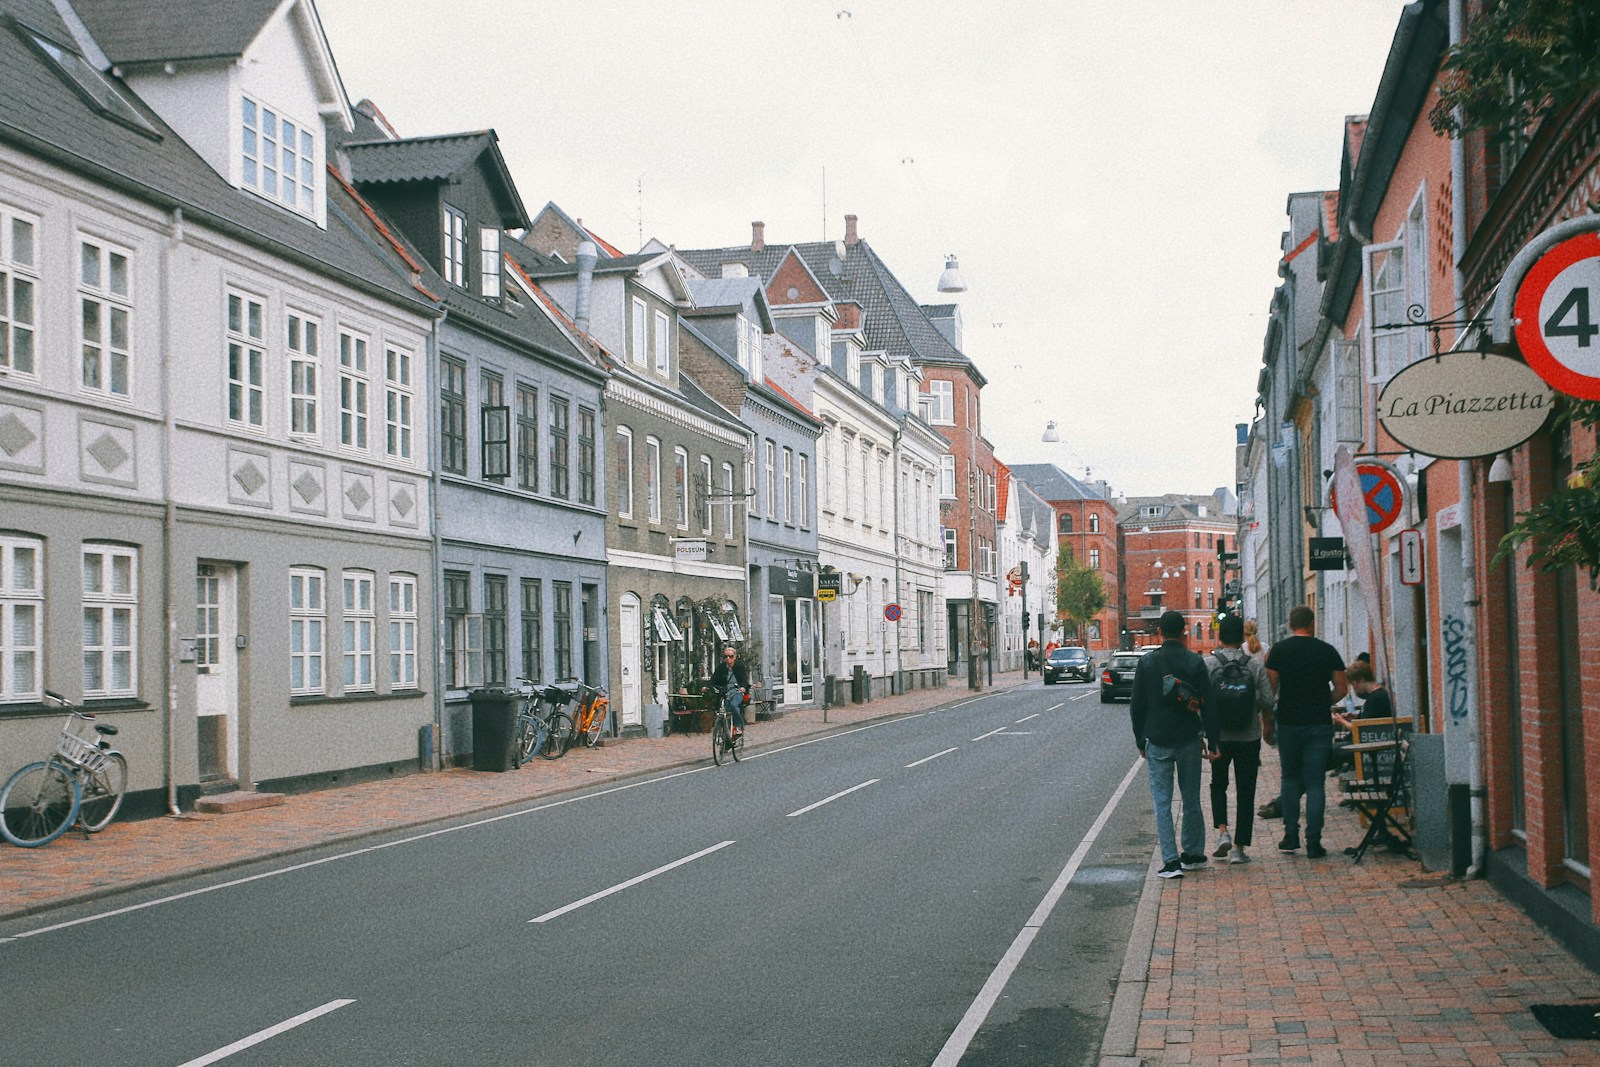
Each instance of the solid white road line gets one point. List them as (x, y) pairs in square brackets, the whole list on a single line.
[(967, 1029), (1060, 705), (829, 800), (964, 703), (631, 882), (269, 1032), (1025, 718), (929, 759)]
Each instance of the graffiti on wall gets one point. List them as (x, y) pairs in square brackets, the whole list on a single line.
[(1455, 666)]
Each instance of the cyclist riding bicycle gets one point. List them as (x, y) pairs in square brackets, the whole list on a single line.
[(731, 680)]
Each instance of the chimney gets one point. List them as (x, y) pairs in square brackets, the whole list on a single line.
[(850, 238), (587, 255), (758, 236)]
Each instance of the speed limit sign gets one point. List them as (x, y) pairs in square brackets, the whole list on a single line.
[(1558, 316)]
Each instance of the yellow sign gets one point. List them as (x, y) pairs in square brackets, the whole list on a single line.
[(826, 594)]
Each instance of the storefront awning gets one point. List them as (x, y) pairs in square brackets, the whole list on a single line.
[(666, 629)]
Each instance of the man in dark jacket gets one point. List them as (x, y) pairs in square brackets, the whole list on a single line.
[(731, 680), (1172, 740)]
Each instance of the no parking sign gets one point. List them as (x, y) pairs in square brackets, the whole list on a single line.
[(1381, 489)]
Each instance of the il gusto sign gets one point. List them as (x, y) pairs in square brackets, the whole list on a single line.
[(1461, 405)]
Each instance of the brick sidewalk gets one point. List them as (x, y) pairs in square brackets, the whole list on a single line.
[(146, 852), (1291, 960)]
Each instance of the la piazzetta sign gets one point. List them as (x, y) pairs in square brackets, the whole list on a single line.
[(1460, 405)]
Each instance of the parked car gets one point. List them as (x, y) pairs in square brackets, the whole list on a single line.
[(1116, 679), (1069, 661)]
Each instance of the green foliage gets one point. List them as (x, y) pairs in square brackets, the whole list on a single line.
[(1080, 592), (1521, 60), (1564, 530)]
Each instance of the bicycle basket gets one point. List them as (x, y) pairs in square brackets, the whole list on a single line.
[(77, 750)]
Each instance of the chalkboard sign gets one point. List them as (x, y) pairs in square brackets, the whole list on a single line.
[(1376, 767)]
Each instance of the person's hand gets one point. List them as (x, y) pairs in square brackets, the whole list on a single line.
[(1141, 752), (1211, 755)]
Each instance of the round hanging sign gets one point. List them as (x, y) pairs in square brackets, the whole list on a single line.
[(1460, 405), (1558, 316)]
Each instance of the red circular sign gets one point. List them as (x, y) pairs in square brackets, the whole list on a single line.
[(1382, 492), (891, 612), (1558, 316)]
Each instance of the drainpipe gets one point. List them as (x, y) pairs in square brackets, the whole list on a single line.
[(439, 681), (1469, 544), (169, 517), (587, 257)]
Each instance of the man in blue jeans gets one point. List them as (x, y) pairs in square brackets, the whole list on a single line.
[(1308, 675), (731, 680), (1171, 738)]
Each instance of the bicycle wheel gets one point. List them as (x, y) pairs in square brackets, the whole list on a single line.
[(38, 803), (719, 740), (595, 726), (102, 793), (557, 737), (522, 740), (736, 746)]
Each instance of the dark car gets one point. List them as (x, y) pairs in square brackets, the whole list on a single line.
[(1070, 661), (1116, 680)]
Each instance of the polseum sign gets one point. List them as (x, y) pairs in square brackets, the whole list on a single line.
[(1460, 405)]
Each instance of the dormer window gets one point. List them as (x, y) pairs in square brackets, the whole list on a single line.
[(280, 158), (489, 251), (454, 247)]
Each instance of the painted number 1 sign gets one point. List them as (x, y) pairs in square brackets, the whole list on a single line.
[(1558, 316)]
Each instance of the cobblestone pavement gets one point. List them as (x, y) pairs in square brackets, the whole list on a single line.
[(1281, 960)]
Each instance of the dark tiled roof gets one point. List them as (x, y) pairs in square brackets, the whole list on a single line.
[(895, 323), (41, 115), (556, 269), (1053, 483), (149, 31), (416, 159)]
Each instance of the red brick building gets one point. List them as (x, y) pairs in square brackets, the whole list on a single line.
[(1086, 522), (1170, 561)]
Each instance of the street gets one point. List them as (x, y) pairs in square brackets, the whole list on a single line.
[(950, 887)]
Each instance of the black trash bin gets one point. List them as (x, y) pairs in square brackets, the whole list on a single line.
[(494, 714)]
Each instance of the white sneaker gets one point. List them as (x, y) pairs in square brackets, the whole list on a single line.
[(1224, 843), (1238, 855)]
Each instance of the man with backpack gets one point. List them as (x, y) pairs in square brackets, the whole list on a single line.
[(1172, 718), (1242, 696)]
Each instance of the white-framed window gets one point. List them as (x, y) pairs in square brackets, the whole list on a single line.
[(825, 479), (19, 286), (639, 339), (727, 508), (453, 246), (757, 356), (247, 356), (805, 491), (846, 450), (707, 520), (355, 382), (308, 624), (527, 426), (680, 486), (751, 504), (398, 397), (652, 477), (663, 341), (1385, 277), (300, 349), (883, 492), (360, 618), (463, 651), (741, 341), (279, 157), (950, 550), (1094, 522), (105, 296), (110, 619), (1094, 559), (402, 631), (21, 617), (770, 470), (489, 261), (941, 402), (624, 473), (947, 476), (788, 485)]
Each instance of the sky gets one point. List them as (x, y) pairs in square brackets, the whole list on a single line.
[(1112, 176)]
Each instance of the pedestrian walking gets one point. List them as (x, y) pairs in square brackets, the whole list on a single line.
[(1171, 720), (1243, 698), (1308, 675)]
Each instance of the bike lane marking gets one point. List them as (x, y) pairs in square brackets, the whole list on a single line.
[(929, 759), (967, 1029), (836, 796), (1025, 718), (263, 1035), (629, 884)]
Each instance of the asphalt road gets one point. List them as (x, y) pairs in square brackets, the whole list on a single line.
[(950, 887)]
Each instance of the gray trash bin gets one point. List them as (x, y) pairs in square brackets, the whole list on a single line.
[(494, 713)]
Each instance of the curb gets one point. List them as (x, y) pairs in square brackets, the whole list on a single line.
[(1119, 1047)]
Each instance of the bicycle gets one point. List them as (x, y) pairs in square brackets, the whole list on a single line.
[(548, 734), (594, 709), (83, 781), (723, 740)]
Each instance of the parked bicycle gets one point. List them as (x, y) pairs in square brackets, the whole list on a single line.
[(83, 781), (594, 711), (548, 733), (724, 742)]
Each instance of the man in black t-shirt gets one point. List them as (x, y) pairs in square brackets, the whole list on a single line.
[(1308, 675)]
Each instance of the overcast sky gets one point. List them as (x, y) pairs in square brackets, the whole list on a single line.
[(1111, 174)]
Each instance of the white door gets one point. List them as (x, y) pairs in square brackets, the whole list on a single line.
[(216, 671), (632, 695)]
